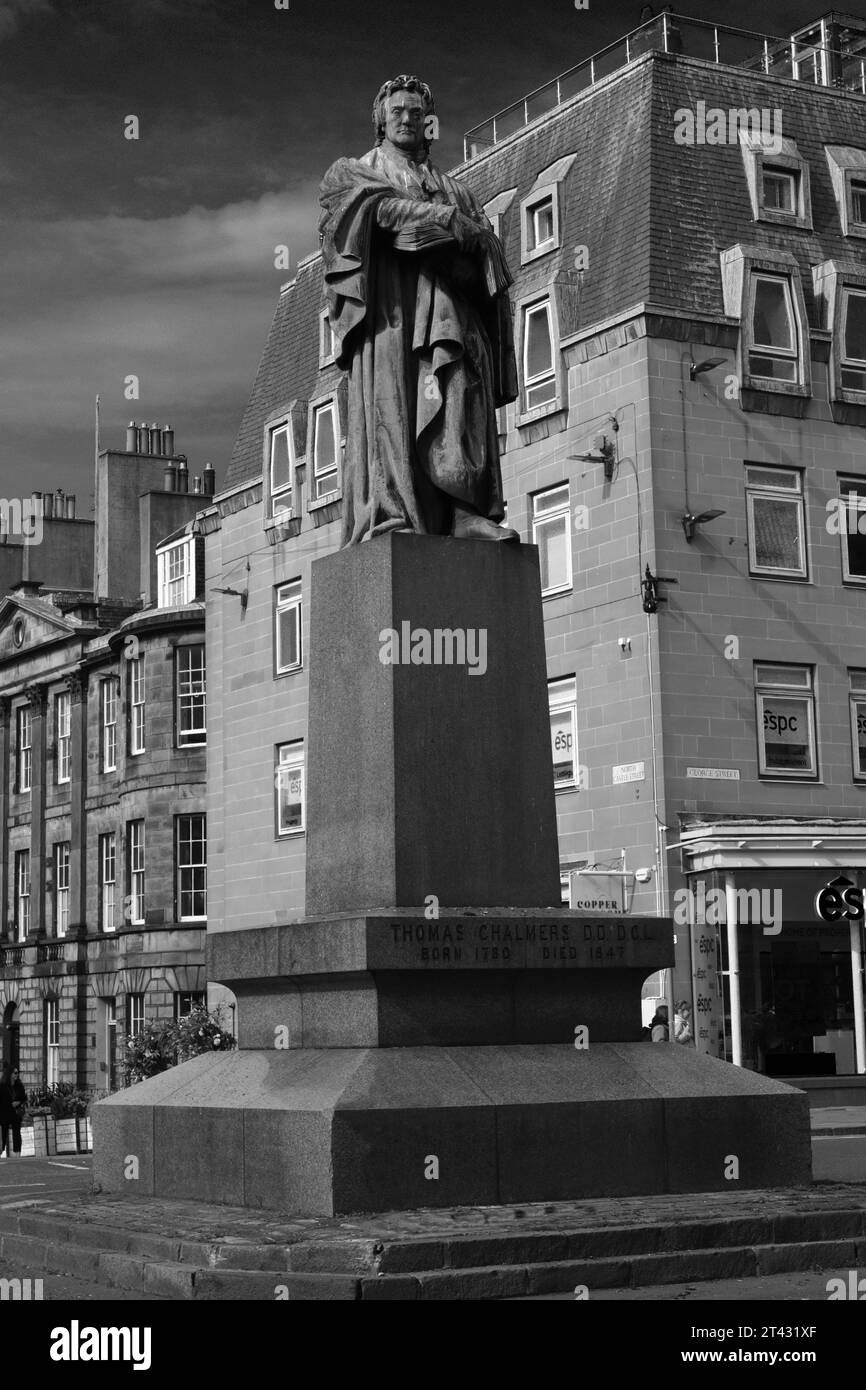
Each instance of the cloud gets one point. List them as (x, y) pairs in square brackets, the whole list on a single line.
[(14, 12)]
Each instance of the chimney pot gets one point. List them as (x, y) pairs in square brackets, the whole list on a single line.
[(48, 505), (155, 440), (143, 439), (169, 478), (167, 440), (131, 438), (70, 507), (208, 480)]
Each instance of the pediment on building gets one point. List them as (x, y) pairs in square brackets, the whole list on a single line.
[(29, 623)]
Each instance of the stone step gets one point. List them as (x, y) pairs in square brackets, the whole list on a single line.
[(473, 1268)]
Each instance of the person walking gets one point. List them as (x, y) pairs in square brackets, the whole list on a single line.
[(683, 1023), (13, 1103), (659, 1027)]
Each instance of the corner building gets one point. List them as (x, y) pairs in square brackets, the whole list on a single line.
[(103, 841), (685, 216)]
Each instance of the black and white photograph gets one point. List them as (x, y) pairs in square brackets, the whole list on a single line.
[(432, 672)]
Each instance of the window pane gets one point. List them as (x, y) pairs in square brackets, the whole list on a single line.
[(771, 323), (539, 349), (552, 539), (800, 676), (562, 745), (291, 798), (542, 223), (786, 734), (773, 477), (858, 723), (550, 501), (855, 327), (288, 654), (777, 533), (281, 463), (778, 190), (858, 201), (326, 455)]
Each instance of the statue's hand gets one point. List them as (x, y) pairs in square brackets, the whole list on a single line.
[(468, 234)]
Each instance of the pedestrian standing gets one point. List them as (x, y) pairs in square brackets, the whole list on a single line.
[(13, 1104)]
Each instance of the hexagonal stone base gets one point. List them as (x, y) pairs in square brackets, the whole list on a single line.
[(340, 1130)]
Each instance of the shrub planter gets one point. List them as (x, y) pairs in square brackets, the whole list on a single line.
[(66, 1137), (39, 1130), (28, 1146)]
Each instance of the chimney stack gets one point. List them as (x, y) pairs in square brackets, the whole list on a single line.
[(167, 440), (131, 438)]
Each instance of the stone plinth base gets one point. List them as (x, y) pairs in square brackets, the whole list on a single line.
[(340, 1130)]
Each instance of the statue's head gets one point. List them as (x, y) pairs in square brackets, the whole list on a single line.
[(401, 111)]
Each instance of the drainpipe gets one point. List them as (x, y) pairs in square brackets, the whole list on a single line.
[(857, 977), (733, 971)]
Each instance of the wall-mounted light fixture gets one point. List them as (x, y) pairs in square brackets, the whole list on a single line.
[(697, 369), (690, 520), (605, 454)]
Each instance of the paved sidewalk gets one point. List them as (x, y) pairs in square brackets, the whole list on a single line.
[(839, 1119)]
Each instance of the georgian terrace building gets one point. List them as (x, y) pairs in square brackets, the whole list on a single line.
[(103, 839), (690, 320)]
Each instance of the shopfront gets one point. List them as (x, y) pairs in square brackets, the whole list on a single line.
[(775, 952)]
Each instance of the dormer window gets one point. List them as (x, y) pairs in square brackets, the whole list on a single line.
[(327, 341), (778, 179), (281, 469), (761, 287), (540, 212), (847, 167), (539, 230), (175, 566), (840, 291)]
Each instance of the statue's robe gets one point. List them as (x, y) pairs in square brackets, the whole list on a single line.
[(426, 340)]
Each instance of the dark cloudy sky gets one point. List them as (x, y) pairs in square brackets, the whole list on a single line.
[(156, 256)]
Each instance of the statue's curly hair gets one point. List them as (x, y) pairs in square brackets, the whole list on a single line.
[(405, 83)]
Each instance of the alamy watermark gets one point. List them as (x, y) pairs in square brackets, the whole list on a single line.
[(717, 126), (441, 646), (21, 519), (756, 907)]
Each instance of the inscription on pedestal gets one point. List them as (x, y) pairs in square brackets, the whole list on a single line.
[(471, 943)]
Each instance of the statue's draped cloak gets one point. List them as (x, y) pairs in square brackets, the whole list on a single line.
[(427, 346)]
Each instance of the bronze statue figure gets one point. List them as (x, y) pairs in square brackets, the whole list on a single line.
[(417, 293)]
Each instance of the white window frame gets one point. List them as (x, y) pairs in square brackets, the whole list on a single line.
[(175, 570), (562, 700), (541, 379), (794, 495), (789, 178), (107, 849), (542, 518), (759, 160), (190, 695), (135, 849), (857, 364), (197, 998), (771, 350), (22, 893), (136, 1015), (778, 688), (24, 749), (288, 599), (136, 705), (62, 865), (859, 223), (281, 501), (332, 473), (327, 340), (857, 707), (852, 515), (847, 166), (191, 876), (545, 190), (63, 735), (535, 244), (108, 712), (290, 760), (52, 1041), (741, 266)]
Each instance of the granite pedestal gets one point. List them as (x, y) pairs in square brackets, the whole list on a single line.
[(412, 1041)]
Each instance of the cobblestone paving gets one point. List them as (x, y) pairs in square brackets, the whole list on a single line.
[(200, 1221)]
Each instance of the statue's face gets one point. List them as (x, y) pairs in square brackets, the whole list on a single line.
[(404, 120)]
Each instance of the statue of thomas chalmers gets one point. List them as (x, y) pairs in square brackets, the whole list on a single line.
[(417, 291)]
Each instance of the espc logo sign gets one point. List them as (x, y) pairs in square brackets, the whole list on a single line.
[(840, 899)]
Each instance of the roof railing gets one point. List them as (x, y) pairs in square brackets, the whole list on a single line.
[(841, 65)]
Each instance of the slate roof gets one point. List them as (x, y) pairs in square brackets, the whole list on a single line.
[(653, 214)]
